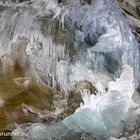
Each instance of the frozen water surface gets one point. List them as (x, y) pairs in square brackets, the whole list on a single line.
[(69, 42)]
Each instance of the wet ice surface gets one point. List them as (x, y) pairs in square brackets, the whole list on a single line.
[(100, 43), (102, 115), (105, 113), (58, 45)]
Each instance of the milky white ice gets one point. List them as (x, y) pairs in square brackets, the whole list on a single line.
[(125, 84)]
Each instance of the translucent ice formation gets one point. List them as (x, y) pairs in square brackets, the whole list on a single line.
[(62, 42), (104, 114)]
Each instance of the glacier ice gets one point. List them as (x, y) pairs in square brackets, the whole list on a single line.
[(99, 46), (104, 114)]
